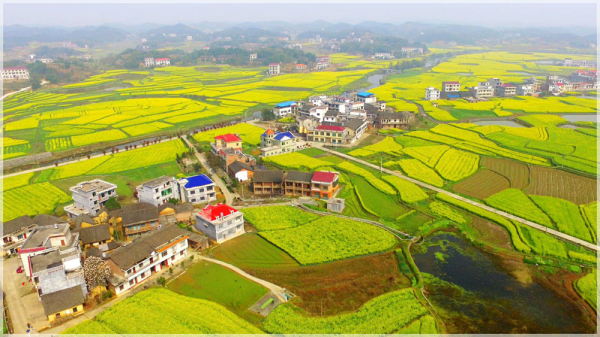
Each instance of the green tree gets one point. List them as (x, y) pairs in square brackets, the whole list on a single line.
[(174, 201), (162, 281), (35, 82), (267, 115), (112, 204)]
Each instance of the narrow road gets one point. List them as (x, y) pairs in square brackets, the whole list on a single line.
[(229, 197), (14, 92), (18, 312), (277, 290), (400, 235), (557, 234)]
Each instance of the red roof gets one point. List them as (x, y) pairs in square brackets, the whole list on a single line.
[(300, 65), (331, 128), (211, 212), (15, 68), (324, 177), (451, 82), (559, 83), (163, 59), (229, 138), (507, 85)]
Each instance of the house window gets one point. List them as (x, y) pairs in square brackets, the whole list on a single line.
[(58, 315), (164, 254), (143, 275), (181, 253), (75, 310), (122, 287), (140, 265), (131, 282)]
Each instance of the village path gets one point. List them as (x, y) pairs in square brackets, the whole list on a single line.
[(275, 289), (229, 197), (18, 91), (553, 232)]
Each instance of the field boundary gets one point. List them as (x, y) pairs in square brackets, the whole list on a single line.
[(532, 224)]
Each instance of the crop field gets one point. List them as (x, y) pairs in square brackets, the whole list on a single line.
[(160, 311), (295, 160), (409, 192), (424, 326), (429, 155), (329, 239), (566, 216), (455, 165), (587, 287), (32, 200), (417, 170), (370, 177), (17, 181), (516, 202), (543, 120), (482, 184), (388, 145), (383, 315), (248, 133), (516, 173), (590, 215), (269, 218), (447, 212), (252, 251), (560, 184), (215, 283), (376, 202)]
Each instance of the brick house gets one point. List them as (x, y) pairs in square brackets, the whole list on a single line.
[(139, 222), (324, 185), (267, 182), (298, 183)]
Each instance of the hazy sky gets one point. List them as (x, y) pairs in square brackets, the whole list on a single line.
[(493, 15)]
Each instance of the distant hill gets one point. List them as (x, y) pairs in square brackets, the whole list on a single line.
[(17, 35), (179, 29)]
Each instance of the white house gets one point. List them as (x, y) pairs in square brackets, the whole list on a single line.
[(432, 94), (158, 191), (274, 68), (366, 97), (148, 61), (284, 109), (90, 197), (46, 60), (15, 232), (15, 73), (162, 61), (220, 222), (197, 189), (253, 57)]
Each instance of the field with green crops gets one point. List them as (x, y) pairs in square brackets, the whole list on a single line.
[(277, 217), (329, 239), (160, 311), (587, 287)]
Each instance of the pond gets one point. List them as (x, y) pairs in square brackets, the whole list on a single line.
[(478, 296), (502, 123), (580, 117)]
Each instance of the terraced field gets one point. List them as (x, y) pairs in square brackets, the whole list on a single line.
[(482, 184), (516, 173), (560, 184)]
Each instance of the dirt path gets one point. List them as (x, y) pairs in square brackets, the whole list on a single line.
[(545, 229)]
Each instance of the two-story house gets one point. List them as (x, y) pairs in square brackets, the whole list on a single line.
[(220, 222), (135, 262), (432, 94), (298, 183), (158, 191), (94, 236), (324, 185), (139, 222), (89, 197), (57, 270), (395, 120), (355, 128), (197, 189), (267, 182), (226, 141), (328, 134), (272, 143), (229, 156), (285, 108), (451, 86), (15, 232), (506, 90)]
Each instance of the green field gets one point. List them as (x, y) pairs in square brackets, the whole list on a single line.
[(277, 217), (253, 251), (161, 311), (587, 287)]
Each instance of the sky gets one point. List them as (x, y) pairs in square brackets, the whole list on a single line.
[(490, 15)]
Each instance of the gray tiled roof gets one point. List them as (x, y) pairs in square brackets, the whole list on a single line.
[(94, 234), (298, 176), (237, 166), (268, 176), (142, 215), (47, 220), (355, 124), (62, 300), (16, 224)]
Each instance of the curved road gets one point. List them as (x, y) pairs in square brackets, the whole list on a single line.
[(557, 234), (275, 289)]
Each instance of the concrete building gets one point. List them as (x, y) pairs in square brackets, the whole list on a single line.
[(536, 83), (240, 171), (57, 270), (327, 134), (15, 232), (324, 185), (285, 109), (197, 189), (297, 184), (494, 82), (366, 97), (158, 191), (393, 120), (482, 91), (272, 143), (134, 263), (226, 141), (229, 156), (525, 90), (149, 61), (220, 222), (384, 56), (253, 57), (451, 86), (274, 68), (90, 197), (355, 129), (336, 205), (267, 182), (15, 73), (506, 90), (162, 62), (301, 67), (432, 94)]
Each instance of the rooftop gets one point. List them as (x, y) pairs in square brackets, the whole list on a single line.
[(238, 166), (41, 233), (285, 104), (324, 177), (94, 234), (137, 216), (196, 181), (268, 176), (14, 68), (49, 260), (451, 82), (212, 212), (229, 138), (364, 94), (95, 185), (16, 224), (62, 300), (284, 136), (158, 181), (162, 59), (330, 128), (298, 176)]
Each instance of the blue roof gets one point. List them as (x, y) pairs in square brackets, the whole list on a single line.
[(280, 135), (285, 104), (364, 94), (199, 180), (453, 96)]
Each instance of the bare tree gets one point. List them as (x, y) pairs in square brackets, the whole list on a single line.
[(96, 272)]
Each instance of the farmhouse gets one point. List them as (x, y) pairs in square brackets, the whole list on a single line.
[(285, 108), (94, 236), (158, 191), (328, 134), (197, 189), (162, 61), (135, 262), (90, 197), (148, 61), (138, 222), (274, 68), (220, 222), (432, 94), (15, 232), (226, 141), (384, 56), (324, 184), (15, 73), (253, 57), (395, 120), (298, 184), (301, 67), (272, 143), (64, 303), (366, 97), (451, 86), (181, 211), (57, 270), (355, 128), (525, 89), (240, 171), (482, 91), (506, 90), (267, 182), (536, 83), (324, 61), (229, 156)]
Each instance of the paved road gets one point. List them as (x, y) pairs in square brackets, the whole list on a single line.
[(277, 290), (557, 234), (18, 313), (229, 197)]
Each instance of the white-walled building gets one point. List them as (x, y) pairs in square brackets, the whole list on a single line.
[(253, 57), (284, 109), (89, 197), (274, 68), (451, 86), (148, 61), (158, 191), (220, 222), (366, 97), (162, 61), (432, 94), (15, 73), (197, 189)]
